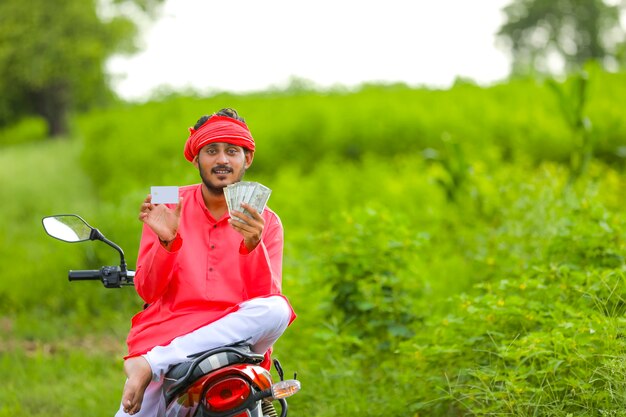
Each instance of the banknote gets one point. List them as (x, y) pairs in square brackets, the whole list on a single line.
[(249, 192)]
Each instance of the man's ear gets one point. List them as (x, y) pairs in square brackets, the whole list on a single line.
[(195, 160), (249, 157)]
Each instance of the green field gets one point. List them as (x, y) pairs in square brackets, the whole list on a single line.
[(454, 252)]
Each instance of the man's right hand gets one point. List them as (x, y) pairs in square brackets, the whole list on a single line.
[(162, 220)]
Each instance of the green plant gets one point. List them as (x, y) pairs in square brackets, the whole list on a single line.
[(372, 279), (572, 105)]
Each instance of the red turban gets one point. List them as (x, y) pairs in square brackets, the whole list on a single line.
[(218, 129)]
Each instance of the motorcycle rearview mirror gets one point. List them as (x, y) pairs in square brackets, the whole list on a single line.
[(73, 228), (68, 228)]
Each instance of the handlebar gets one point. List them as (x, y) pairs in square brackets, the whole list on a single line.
[(111, 276), (85, 275)]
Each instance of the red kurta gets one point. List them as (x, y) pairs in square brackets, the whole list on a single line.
[(207, 273)]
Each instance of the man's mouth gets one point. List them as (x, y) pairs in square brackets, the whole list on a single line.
[(221, 170)]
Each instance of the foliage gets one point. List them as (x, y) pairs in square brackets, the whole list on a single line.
[(519, 120), (70, 74), (533, 341), (27, 130), (576, 31), (438, 255), (572, 105), (369, 276)]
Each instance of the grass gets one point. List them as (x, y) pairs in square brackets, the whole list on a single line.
[(61, 379), (59, 351)]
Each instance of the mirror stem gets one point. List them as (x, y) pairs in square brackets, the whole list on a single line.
[(96, 235)]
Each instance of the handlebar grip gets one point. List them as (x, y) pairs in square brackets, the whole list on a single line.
[(85, 275)]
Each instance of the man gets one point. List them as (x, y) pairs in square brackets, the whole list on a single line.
[(208, 279)]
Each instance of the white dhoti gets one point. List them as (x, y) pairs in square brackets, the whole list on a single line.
[(259, 321)]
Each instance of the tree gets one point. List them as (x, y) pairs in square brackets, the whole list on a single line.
[(540, 33), (52, 55)]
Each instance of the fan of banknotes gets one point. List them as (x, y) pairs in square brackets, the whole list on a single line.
[(248, 192)]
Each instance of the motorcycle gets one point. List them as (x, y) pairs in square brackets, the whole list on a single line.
[(227, 381)]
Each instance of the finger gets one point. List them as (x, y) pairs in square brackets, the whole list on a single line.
[(244, 221), (147, 203), (179, 206), (255, 214), (246, 231), (238, 214), (249, 213), (237, 222), (144, 209), (243, 228)]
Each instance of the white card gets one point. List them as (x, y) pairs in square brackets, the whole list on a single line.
[(164, 194)]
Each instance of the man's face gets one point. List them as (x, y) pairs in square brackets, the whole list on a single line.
[(221, 164)]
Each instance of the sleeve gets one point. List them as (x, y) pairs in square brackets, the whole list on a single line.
[(154, 265), (261, 269)]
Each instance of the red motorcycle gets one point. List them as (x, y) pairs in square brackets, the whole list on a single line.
[(224, 382)]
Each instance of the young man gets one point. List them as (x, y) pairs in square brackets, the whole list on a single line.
[(208, 279)]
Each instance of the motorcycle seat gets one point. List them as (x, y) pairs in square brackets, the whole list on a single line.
[(183, 374)]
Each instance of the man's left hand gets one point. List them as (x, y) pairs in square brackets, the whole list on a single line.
[(250, 226)]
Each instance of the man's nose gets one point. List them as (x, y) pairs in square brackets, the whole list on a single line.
[(222, 158)]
